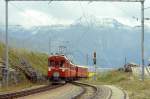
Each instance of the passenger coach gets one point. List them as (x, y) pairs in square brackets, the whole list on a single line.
[(60, 68)]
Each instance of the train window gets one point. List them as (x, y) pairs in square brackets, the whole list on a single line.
[(52, 63), (56, 63), (62, 63), (48, 63)]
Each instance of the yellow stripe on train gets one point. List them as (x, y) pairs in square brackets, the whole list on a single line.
[(91, 74)]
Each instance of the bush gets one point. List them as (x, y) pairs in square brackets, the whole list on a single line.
[(112, 77)]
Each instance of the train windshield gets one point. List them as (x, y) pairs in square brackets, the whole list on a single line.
[(51, 63), (62, 63), (56, 63)]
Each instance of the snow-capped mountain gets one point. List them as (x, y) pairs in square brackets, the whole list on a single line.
[(112, 40), (93, 21)]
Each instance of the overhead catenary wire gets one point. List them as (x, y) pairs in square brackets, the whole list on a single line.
[(86, 21), (89, 24), (147, 8), (50, 1)]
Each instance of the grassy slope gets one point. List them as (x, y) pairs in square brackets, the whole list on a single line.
[(37, 60), (135, 88)]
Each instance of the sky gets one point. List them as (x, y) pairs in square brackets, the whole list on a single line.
[(52, 13)]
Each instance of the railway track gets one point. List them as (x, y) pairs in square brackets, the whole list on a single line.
[(88, 92), (104, 93), (26, 92), (93, 91), (99, 92), (74, 90)]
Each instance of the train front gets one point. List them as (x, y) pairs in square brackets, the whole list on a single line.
[(55, 68)]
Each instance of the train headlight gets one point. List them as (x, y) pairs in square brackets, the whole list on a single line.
[(56, 74), (63, 69), (49, 69)]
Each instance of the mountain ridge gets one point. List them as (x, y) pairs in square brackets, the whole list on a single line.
[(112, 43)]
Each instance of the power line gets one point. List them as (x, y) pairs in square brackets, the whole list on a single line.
[(50, 1), (84, 16), (147, 8), (87, 0)]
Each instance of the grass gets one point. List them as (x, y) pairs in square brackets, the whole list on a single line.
[(20, 86), (37, 60), (136, 88), (25, 84)]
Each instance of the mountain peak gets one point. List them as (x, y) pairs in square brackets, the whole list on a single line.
[(98, 22)]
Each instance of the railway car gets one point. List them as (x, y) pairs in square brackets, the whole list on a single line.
[(81, 71), (60, 68)]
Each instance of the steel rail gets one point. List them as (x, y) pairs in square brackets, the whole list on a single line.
[(125, 94), (104, 92), (84, 90), (22, 93), (81, 93), (110, 94)]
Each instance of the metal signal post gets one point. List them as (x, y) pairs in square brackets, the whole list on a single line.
[(94, 62), (6, 42), (142, 39)]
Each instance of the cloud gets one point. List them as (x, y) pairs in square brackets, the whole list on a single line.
[(129, 22), (35, 18), (65, 13), (123, 12)]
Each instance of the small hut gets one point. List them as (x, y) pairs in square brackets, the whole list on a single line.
[(127, 67)]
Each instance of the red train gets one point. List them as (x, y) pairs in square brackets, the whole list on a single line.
[(60, 68)]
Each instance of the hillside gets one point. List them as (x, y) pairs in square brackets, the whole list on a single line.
[(37, 60)]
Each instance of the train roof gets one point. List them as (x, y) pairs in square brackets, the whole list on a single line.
[(82, 66), (51, 56), (65, 57)]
